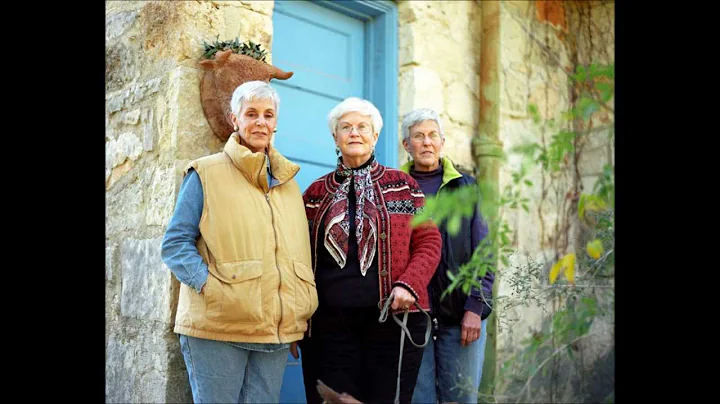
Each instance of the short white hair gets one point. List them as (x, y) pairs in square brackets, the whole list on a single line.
[(355, 104), (253, 90), (416, 116)]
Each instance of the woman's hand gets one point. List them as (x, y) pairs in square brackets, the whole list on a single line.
[(471, 327), (402, 299)]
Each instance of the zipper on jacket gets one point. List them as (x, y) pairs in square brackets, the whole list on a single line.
[(272, 221), (272, 224)]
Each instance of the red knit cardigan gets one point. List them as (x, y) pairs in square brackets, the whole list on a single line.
[(406, 256)]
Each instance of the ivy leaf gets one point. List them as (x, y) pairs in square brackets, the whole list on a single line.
[(555, 271), (586, 107), (569, 265), (532, 109), (594, 248), (580, 74), (606, 91)]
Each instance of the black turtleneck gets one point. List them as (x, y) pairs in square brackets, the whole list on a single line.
[(346, 287)]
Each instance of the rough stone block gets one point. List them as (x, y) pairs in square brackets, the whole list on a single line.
[(189, 130), (593, 161), (143, 90), (124, 208), (109, 260), (251, 22), (117, 24), (422, 88), (161, 202), (114, 102), (127, 145), (137, 92), (149, 131), (121, 65), (513, 95), (142, 365), (598, 137), (132, 117), (513, 46), (457, 147), (146, 281), (461, 104)]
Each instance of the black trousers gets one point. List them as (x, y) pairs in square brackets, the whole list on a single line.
[(351, 352)]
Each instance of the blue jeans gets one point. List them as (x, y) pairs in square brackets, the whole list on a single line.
[(233, 372), (450, 372)]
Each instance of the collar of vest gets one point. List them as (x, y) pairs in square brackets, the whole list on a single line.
[(253, 165)]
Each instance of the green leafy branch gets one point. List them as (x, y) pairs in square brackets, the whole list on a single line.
[(248, 48)]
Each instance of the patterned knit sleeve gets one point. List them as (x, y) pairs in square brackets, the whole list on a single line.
[(425, 247), (311, 199)]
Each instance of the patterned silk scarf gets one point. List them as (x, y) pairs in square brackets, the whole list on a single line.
[(336, 222)]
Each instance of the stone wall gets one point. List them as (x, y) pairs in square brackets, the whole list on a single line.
[(537, 47), (154, 127), (439, 59)]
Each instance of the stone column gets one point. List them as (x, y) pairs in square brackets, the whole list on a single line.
[(487, 151)]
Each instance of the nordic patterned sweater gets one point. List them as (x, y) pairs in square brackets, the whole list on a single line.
[(407, 256)]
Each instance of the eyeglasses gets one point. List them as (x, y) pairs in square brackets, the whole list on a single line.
[(362, 129), (419, 137)]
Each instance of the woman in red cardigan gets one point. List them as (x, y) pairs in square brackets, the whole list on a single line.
[(364, 251)]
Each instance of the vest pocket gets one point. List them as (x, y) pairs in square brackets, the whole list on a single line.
[(306, 300), (234, 292)]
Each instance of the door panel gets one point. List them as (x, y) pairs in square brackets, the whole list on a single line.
[(325, 51)]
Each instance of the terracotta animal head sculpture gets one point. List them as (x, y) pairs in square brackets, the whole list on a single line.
[(222, 76)]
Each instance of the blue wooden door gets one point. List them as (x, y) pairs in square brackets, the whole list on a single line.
[(325, 50)]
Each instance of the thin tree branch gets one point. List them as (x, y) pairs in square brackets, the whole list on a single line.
[(548, 358)]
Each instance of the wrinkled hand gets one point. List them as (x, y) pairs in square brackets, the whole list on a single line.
[(293, 350), (471, 325), (331, 396), (402, 299)]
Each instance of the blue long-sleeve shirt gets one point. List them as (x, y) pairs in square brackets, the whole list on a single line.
[(178, 246)]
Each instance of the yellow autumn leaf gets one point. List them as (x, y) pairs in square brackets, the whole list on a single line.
[(554, 271), (588, 203), (595, 204), (569, 265), (594, 248)]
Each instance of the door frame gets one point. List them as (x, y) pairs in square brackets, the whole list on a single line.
[(381, 65)]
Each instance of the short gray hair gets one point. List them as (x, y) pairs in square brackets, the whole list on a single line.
[(253, 90), (418, 115), (355, 104)]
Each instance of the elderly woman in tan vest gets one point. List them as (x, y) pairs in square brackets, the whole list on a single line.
[(238, 242)]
